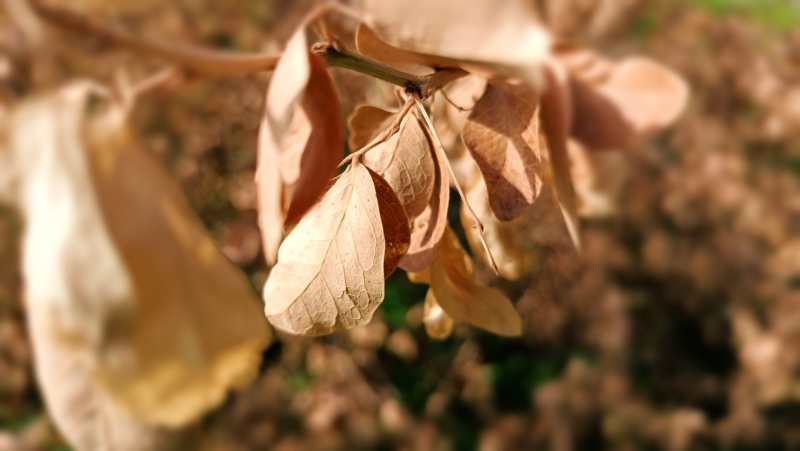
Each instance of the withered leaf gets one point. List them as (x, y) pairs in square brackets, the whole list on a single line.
[(396, 228), (453, 284), (427, 227), (501, 136), (438, 324), (115, 256), (556, 116), (406, 161), (615, 103), (514, 257), (366, 123), (301, 134), (84, 413), (330, 271), (507, 34)]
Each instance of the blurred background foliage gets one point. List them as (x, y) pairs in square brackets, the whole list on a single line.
[(676, 328)]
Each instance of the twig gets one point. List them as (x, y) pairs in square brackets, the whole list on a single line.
[(336, 55), (199, 60), (477, 225)]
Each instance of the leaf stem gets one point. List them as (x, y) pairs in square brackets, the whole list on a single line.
[(478, 225)]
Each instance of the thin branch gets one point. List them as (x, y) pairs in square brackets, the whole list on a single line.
[(477, 225), (336, 55), (198, 60)]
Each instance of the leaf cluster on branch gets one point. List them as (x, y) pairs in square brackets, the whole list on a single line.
[(125, 285)]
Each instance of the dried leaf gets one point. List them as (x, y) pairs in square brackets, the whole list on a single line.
[(507, 34), (556, 118), (406, 161), (438, 324), (617, 103), (330, 272), (396, 228), (366, 123), (115, 256), (86, 416), (501, 136), (598, 178), (453, 284), (514, 257), (301, 135)]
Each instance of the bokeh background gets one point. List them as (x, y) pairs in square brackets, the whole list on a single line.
[(676, 328)]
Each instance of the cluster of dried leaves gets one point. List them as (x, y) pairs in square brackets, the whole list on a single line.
[(518, 145)]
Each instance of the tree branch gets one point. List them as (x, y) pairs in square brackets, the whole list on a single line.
[(203, 61)]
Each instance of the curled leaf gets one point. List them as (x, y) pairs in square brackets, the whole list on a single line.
[(501, 134), (396, 229), (438, 324), (615, 103), (330, 271), (513, 255), (366, 123), (453, 284), (299, 139), (556, 117), (114, 255), (506, 34)]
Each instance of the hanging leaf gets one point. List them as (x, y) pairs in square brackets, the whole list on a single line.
[(330, 269), (301, 134), (84, 413), (506, 35), (366, 123), (396, 229), (438, 324), (453, 284), (556, 117), (501, 136), (616, 103), (514, 256), (115, 257)]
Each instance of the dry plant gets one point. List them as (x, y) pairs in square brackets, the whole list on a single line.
[(127, 291)]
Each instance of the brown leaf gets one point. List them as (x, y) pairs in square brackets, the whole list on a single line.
[(598, 178), (329, 274), (507, 34), (501, 136), (117, 259), (301, 135), (556, 116), (514, 256), (438, 324), (84, 413), (366, 123), (406, 161), (616, 103), (370, 45), (396, 228), (427, 227), (453, 284)]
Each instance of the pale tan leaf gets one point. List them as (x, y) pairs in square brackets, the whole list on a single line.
[(116, 258), (329, 274), (598, 178), (556, 117), (513, 255), (451, 108), (501, 135), (616, 103), (84, 413), (370, 45), (427, 227), (366, 123), (406, 161), (507, 33), (438, 324), (300, 140), (453, 284), (396, 228), (197, 332)]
